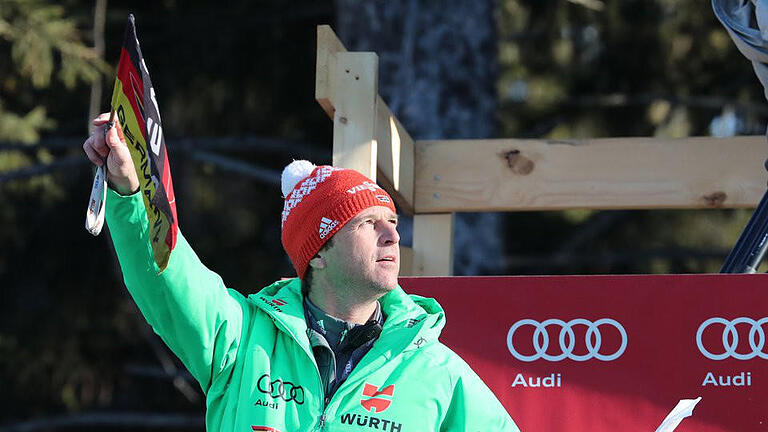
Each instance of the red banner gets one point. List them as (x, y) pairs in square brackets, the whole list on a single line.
[(613, 353)]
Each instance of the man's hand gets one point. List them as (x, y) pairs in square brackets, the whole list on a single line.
[(112, 149)]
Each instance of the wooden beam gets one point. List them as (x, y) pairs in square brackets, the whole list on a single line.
[(325, 71), (395, 157), (606, 173), (354, 120), (433, 244)]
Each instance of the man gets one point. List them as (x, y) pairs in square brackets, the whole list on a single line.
[(340, 348)]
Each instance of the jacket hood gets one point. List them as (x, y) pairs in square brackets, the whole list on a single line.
[(412, 321)]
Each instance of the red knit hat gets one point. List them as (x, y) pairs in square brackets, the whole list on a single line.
[(318, 202)]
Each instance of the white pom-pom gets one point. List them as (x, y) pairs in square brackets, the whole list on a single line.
[(293, 173)]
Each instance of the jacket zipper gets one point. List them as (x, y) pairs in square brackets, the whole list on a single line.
[(327, 400), (321, 422)]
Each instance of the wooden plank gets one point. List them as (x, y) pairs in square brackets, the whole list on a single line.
[(328, 44), (406, 261), (433, 244), (395, 157), (354, 140), (609, 173)]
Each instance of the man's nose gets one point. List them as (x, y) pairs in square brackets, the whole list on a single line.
[(390, 235)]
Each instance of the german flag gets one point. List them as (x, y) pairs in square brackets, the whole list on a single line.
[(135, 104)]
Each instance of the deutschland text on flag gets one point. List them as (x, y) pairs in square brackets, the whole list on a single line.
[(135, 105)]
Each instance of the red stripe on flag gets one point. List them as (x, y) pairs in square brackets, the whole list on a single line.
[(170, 238), (130, 77)]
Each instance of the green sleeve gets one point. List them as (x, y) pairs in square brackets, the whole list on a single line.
[(187, 304), (474, 407)]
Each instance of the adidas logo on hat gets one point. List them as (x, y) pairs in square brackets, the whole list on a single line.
[(326, 225)]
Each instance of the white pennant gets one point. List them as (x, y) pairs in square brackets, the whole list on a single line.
[(682, 410), (94, 216)]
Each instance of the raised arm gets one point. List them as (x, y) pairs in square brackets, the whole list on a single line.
[(187, 304)]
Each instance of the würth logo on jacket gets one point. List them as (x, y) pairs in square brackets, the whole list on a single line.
[(275, 304), (375, 400), (326, 225)]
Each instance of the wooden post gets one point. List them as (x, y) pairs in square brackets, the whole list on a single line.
[(328, 45), (433, 244), (354, 120), (395, 157)]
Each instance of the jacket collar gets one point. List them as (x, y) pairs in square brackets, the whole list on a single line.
[(412, 321)]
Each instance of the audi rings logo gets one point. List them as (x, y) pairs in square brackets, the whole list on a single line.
[(278, 388), (730, 338), (593, 340)]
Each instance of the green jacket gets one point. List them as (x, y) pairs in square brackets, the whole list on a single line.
[(252, 357)]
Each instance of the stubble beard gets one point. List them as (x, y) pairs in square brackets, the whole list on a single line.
[(373, 287)]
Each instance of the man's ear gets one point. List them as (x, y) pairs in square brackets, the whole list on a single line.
[(317, 262)]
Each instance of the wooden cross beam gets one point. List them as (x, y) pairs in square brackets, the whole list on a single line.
[(606, 173)]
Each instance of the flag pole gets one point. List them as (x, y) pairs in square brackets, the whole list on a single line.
[(110, 123)]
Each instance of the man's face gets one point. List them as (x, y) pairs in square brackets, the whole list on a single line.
[(365, 251)]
